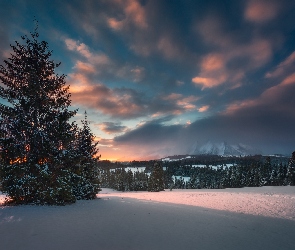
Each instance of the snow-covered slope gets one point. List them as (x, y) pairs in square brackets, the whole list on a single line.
[(223, 148)]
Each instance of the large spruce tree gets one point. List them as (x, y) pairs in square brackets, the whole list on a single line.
[(36, 135)]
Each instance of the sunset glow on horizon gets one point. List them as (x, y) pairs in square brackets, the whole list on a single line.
[(159, 78)]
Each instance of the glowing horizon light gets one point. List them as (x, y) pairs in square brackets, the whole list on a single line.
[(18, 160)]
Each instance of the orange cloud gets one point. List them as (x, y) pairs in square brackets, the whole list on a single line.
[(204, 108), (270, 97), (260, 11), (214, 67), (134, 15), (213, 71), (78, 83), (208, 82), (288, 80), (276, 92), (213, 62), (115, 24), (187, 103), (85, 67), (157, 114), (99, 59), (81, 48), (113, 102), (182, 104), (172, 96), (236, 106)]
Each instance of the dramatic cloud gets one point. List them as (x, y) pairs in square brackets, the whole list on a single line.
[(254, 126), (121, 103), (266, 123), (127, 103), (274, 99), (231, 59), (159, 77)]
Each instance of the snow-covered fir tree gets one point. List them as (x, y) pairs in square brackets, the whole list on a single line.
[(156, 180), (85, 172), (36, 134)]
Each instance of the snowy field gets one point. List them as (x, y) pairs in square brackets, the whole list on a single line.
[(277, 202), (247, 218)]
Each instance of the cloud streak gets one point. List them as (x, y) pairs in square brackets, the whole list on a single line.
[(112, 127)]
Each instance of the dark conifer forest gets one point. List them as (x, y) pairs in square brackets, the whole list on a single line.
[(204, 172)]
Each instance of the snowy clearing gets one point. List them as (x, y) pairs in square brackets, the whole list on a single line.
[(277, 202), (248, 218)]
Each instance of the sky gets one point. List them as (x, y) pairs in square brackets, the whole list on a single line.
[(160, 78)]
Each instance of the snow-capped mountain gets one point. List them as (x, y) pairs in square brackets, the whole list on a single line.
[(223, 148)]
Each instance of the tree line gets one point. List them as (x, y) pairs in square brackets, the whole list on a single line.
[(248, 172)]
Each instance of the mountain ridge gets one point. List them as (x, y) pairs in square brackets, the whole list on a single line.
[(223, 149)]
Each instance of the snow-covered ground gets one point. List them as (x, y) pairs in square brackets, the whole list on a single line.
[(247, 218), (133, 169), (178, 177), (278, 202)]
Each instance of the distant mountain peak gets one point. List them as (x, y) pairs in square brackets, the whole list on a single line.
[(223, 148)]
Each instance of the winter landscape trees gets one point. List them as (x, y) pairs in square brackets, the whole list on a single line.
[(200, 172), (45, 158)]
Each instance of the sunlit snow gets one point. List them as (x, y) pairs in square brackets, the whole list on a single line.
[(278, 202)]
